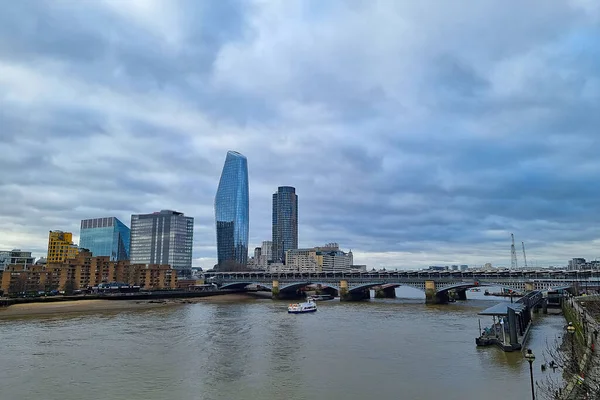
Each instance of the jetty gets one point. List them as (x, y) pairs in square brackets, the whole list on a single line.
[(511, 322)]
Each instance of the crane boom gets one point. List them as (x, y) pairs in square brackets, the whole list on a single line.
[(524, 255)]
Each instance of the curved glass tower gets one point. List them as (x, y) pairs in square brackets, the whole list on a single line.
[(231, 213)]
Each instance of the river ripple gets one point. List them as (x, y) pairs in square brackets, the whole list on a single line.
[(384, 349)]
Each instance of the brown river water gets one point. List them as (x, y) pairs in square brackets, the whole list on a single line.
[(378, 349)]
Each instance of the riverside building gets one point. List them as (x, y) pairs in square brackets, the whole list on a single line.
[(61, 247), (164, 237), (105, 237)]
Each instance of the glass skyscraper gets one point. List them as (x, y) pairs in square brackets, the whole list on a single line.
[(164, 237), (232, 214), (285, 222), (105, 237)]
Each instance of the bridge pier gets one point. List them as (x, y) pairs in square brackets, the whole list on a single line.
[(385, 293), (275, 290), (529, 287), (355, 295), (461, 294), (432, 296)]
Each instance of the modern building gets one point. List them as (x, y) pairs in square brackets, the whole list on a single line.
[(60, 247), (15, 257), (105, 237), (163, 238), (232, 213), (285, 222)]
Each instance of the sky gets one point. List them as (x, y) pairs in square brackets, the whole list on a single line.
[(416, 133)]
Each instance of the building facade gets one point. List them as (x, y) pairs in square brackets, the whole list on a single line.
[(15, 256), (328, 258), (164, 238), (232, 213), (285, 222), (105, 237), (61, 247), (83, 272)]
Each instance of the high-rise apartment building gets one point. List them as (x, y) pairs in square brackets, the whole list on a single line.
[(285, 222), (61, 247), (105, 237), (232, 213), (164, 237)]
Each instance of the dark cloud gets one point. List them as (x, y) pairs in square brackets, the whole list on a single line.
[(414, 134)]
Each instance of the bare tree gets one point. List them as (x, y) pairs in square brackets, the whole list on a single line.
[(562, 360)]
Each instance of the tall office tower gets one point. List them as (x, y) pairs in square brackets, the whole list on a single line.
[(61, 247), (285, 222), (105, 237), (164, 237), (232, 213)]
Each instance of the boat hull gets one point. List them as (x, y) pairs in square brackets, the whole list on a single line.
[(302, 311)]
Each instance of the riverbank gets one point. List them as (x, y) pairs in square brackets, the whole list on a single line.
[(97, 305)]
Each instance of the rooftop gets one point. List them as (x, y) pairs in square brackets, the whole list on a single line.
[(502, 309)]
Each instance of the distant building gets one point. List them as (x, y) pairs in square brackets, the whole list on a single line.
[(14, 257), (163, 238), (577, 263), (358, 268), (464, 267), (285, 222), (232, 215), (266, 253), (488, 266), (84, 272), (328, 258), (60, 247), (303, 260), (437, 268), (105, 237)]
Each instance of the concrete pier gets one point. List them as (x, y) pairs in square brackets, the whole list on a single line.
[(385, 293)]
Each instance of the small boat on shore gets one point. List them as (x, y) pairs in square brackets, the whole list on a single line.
[(475, 290), (301, 308)]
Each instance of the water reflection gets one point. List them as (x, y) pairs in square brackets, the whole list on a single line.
[(395, 348)]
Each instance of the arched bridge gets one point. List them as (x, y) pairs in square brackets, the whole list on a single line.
[(355, 286)]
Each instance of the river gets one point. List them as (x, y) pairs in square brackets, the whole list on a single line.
[(379, 349)]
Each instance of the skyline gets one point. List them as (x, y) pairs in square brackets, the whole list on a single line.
[(415, 135)]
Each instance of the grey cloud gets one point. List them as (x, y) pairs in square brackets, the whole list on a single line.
[(400, 129)]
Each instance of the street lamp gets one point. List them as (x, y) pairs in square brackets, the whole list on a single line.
[(571, 330), (529, 356)]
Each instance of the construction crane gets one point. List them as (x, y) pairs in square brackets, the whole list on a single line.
[(513, 253), (524, 255)]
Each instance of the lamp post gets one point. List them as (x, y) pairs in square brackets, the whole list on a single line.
[(530, 357), (571, 330)]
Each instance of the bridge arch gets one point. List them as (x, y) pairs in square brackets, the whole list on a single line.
[(241, 285), (370, 285), (470, 285), (297, 285)]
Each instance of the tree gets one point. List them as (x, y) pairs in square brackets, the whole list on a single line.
[(18, 285), (69, 287), (562, 358)]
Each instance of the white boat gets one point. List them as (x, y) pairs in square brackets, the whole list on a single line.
[(301, 308)]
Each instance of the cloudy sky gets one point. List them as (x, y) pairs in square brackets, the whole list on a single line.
[(415, 132)]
